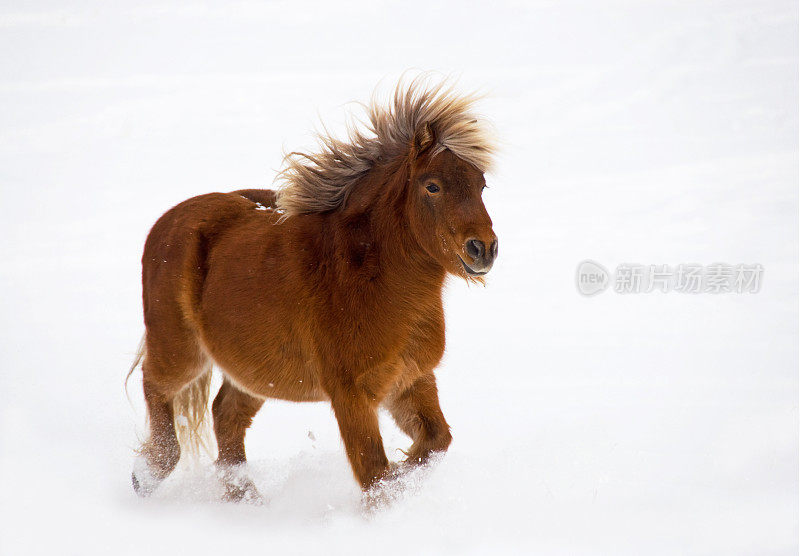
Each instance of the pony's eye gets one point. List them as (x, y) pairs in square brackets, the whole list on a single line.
[(432, 188)]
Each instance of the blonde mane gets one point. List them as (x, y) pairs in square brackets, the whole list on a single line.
[(318, 182)]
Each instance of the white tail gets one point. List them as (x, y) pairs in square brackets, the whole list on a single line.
[(192, 420)]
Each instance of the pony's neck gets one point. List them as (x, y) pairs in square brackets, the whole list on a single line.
[(376, 212)]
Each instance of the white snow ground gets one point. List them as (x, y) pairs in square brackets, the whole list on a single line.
[(647, 132)]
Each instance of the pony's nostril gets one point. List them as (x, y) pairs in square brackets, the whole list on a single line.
[(493, 249), (475, 248)]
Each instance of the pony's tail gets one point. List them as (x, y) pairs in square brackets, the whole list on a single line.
[(192, 422), (141, 351)]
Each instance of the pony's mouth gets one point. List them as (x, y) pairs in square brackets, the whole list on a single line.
[(469, 270)]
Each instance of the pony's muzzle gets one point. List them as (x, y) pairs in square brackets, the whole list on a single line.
[(481, 257)]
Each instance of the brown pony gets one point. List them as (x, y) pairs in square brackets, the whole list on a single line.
[(328, 290)]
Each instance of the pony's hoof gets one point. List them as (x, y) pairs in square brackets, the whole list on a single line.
[(398, 482), (386, 491), (239, 487), (379, 497), (140, 489), (246, 494), (143, 480)]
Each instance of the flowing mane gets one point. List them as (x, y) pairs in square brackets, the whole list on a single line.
[(319, 182)]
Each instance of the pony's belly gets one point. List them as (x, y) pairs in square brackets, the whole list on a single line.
[(294, 383)]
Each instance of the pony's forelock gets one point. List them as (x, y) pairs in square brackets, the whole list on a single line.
[(319, 182)]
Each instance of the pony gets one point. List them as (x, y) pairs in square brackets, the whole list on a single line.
[(328, 289)]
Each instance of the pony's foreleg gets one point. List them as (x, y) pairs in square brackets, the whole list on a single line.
[(416, 411), (356, 413), (233, 412)]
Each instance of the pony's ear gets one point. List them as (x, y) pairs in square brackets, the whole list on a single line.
[(423, 139)]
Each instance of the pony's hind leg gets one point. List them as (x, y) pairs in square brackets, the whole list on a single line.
[(233, 412), (160, 453), (162, 379)]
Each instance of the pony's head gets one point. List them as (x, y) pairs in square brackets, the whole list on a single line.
[(445, 209), (429, 135)]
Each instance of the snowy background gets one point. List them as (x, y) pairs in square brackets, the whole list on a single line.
[(645, 132)]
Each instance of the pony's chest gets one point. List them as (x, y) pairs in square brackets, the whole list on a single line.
[(414, 350)]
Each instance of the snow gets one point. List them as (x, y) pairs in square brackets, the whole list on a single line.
[(646, 132)]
